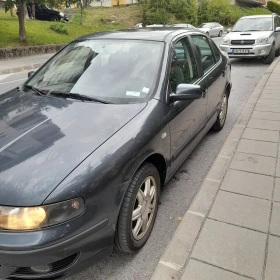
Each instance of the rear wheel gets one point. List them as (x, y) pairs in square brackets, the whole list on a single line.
[(271, 56), (221, 119), (221, 33), (277, 53), (139, 209)]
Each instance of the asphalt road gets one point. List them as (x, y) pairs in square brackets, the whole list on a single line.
[(180, 191)]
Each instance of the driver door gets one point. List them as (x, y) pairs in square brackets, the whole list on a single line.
[(187, 117)]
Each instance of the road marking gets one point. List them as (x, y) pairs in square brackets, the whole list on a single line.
[(171, 265), (213, 180), (12, 81), (196, 213), (2, 77), (225, 157)]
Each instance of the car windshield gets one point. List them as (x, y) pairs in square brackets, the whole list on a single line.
[(253, 24), (205, 25), (115, 71)]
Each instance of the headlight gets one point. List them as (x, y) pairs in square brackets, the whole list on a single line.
[(262, 40), (30, 218), (61, 14), (227, 40)]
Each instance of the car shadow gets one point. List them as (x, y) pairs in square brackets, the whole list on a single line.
[(248, 62)]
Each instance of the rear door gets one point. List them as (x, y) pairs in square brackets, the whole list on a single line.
[(214, 80), (187, 117), (277, 34)]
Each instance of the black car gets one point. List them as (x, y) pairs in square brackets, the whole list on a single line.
[(90, 139), (43, 12)]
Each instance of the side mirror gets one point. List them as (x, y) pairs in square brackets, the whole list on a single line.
[(229, 30), (30, 73), (277, 29), (187, 92)]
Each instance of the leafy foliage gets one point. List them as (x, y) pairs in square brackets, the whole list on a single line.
[(59, 27), (273, 7), (185, 10)]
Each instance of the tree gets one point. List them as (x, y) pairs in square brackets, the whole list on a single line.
[(159, 11), (185, 10), (22, 31), (144, 4), (83, 5)]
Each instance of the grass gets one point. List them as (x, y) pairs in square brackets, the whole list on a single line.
[(39, 32)]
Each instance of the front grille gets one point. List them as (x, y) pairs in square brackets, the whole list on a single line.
[(242, 42), (55, 266)]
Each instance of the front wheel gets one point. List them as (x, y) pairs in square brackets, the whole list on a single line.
[(271, 56), (54, 18), (139, 209), (221, 119), (221, 33)]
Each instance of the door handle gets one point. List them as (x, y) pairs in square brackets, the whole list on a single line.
[(204, 93)]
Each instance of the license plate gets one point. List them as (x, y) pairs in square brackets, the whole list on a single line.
[(240, 51)]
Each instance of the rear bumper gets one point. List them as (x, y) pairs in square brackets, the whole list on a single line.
[(254, 50)]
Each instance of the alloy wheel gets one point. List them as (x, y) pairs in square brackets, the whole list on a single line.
[(144, 207), (223, 110)]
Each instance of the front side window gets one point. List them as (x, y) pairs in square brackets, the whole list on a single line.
[(276, 22), (183, 67), (253, 24), (116, 71), (216, 51), (204, 52)]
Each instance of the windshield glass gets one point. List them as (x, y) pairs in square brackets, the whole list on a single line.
[(253, 24), (116, 71), (205, 25)]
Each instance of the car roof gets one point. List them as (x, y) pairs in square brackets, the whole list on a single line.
[(264, 16), (147, 34)]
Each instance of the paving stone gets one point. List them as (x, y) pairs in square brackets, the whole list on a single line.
[(261, 134), (275, 220), (272, 265), (270, 95), (241, 210), (278, 169), (201, 271), (264, 124), (258, 147), (266, 116), (277, 190), (230, 247), (254, 163), (249, 184), (269, 101), (236, 132), (267, 108), (164, 272)]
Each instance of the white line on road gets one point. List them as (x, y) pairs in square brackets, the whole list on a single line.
[(171, 265), (12, 81), (2, 77)]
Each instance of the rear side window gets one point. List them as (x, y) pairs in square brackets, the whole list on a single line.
[(216, 51), (204, 52)]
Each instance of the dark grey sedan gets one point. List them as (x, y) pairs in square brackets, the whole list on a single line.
[(87, 143)]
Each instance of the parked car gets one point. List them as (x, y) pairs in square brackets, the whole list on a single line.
[(212, 29), (88, 141), (43, 12), (254, 36), (183, 25), (140, 25)]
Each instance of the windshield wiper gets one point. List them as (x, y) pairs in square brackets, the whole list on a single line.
[(39, 92), (77, 96)]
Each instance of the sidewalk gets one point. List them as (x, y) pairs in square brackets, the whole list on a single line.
[(232, 229), (8, 66)]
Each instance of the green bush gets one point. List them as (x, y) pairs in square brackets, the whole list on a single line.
[(185, 10), (273, 7), (59, 27)]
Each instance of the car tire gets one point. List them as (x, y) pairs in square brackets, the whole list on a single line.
[(221, 33), (221, 119), (271, 56), (136, 220), (207, 33), (54, 18), (277, 53)]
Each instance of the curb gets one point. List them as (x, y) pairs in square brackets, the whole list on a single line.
[(20, 69), (175, 258)]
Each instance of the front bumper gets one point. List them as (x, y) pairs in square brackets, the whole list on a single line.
[(254, 50), (69, 256)]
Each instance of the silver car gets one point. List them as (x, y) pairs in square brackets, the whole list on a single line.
[(254, 36), (212, 29)]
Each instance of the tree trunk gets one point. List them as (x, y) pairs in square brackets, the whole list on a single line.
[(33, 9), (22, 32), (25, 11), (81, 19), (11, 11)]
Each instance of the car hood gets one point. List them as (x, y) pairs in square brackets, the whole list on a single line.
[(248, 35), (43, 139)]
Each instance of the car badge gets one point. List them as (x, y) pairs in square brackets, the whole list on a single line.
[(242, 42)]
